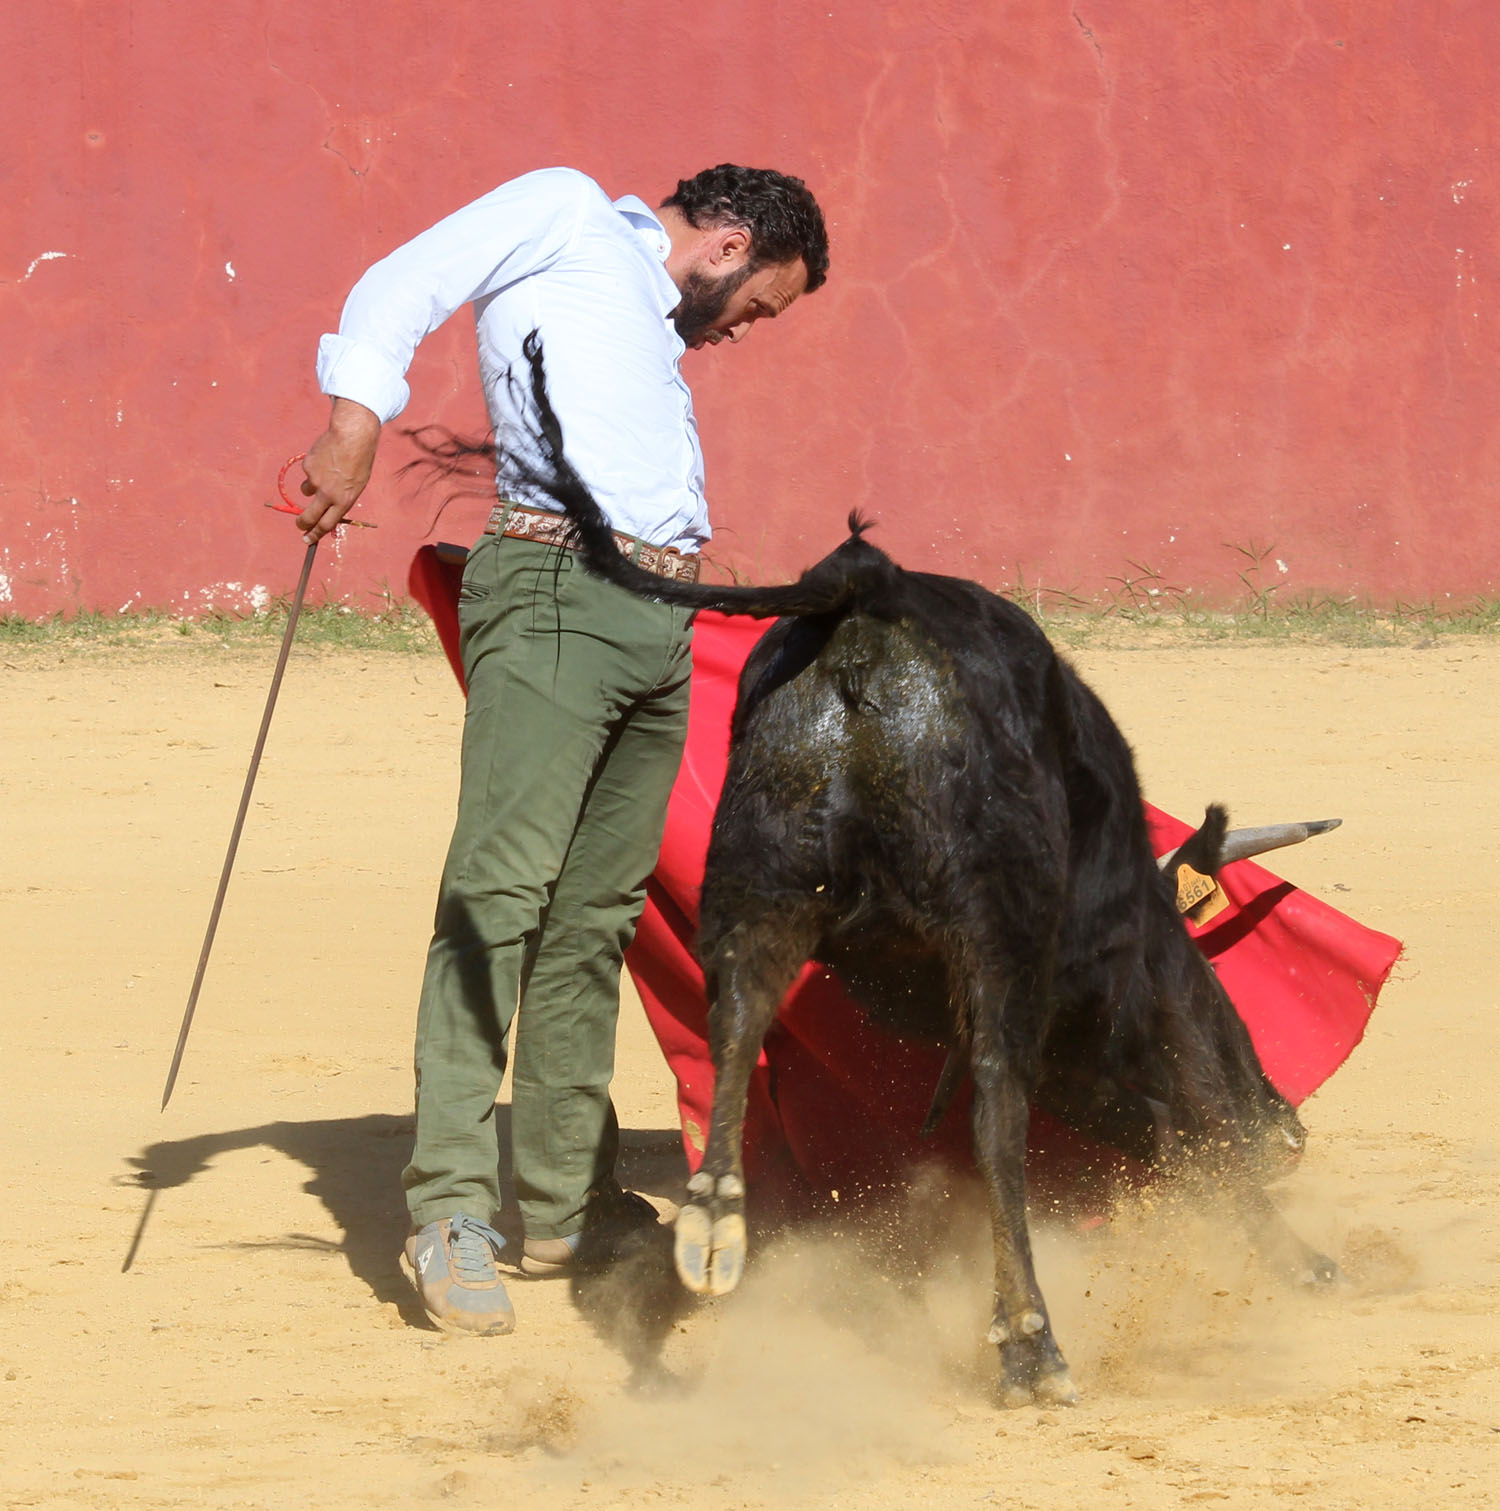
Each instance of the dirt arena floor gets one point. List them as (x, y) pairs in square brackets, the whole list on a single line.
[(204, 1308)]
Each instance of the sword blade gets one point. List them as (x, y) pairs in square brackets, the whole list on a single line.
[(239, 822)]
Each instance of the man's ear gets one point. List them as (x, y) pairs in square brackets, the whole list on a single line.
[(731, 248)]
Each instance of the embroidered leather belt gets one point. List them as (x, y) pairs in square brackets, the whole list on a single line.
[(551, 529)]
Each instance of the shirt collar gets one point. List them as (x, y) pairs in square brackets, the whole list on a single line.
[(641, 219)]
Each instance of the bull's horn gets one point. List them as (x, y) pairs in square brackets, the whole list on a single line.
[(1241, 844)]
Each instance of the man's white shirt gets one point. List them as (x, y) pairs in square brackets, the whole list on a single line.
[(548, 252)]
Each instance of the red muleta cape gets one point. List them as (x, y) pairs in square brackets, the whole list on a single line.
[(835, 1102)]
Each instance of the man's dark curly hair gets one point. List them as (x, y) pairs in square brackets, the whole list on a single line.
[(778, 211)]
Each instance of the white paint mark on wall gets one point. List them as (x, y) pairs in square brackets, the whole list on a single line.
[(234, 595), (1281, 566), (1459, 188), (36, 262), (229, 268), (47, 558)]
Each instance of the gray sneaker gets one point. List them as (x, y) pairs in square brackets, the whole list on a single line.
[(453, 1265), (615, 1224)]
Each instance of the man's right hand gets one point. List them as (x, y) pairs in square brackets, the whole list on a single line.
[(337, 467)]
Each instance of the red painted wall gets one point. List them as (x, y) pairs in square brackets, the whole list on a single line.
[(1118, 285)]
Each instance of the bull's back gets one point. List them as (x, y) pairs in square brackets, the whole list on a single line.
[(875, 716), (880, 756)]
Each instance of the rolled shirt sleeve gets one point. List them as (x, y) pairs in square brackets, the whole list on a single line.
[(349, 369)]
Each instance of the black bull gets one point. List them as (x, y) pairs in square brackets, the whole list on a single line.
[(924, 797)]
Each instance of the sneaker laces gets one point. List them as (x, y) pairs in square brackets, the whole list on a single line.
[(473, 1248)]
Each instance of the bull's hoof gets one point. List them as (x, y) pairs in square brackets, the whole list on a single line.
[(709, 1243), (1055, 1390), (1032, 1368), (1319, 1272), (1301, 1265)]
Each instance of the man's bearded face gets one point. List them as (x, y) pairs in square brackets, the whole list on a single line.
[(704, 300)]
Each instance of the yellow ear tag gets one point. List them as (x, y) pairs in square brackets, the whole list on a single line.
[(1199, 897)]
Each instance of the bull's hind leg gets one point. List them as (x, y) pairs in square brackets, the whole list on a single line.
[(748, 972), (1031, 1364)]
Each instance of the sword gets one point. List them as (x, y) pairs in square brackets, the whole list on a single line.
[(290, 507), (239, 821)]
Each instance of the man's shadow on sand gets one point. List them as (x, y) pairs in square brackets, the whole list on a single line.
[(356, 1166)]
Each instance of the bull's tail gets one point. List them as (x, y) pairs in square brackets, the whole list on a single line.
[(855, 574)]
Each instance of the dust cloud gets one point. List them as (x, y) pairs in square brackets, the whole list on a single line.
[(860, 1342)]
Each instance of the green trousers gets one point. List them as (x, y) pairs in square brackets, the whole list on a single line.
[(577, 712)]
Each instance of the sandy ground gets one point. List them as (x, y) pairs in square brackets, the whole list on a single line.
[(204, 1308)]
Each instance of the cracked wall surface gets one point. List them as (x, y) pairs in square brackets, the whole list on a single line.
[(1123, 298)]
